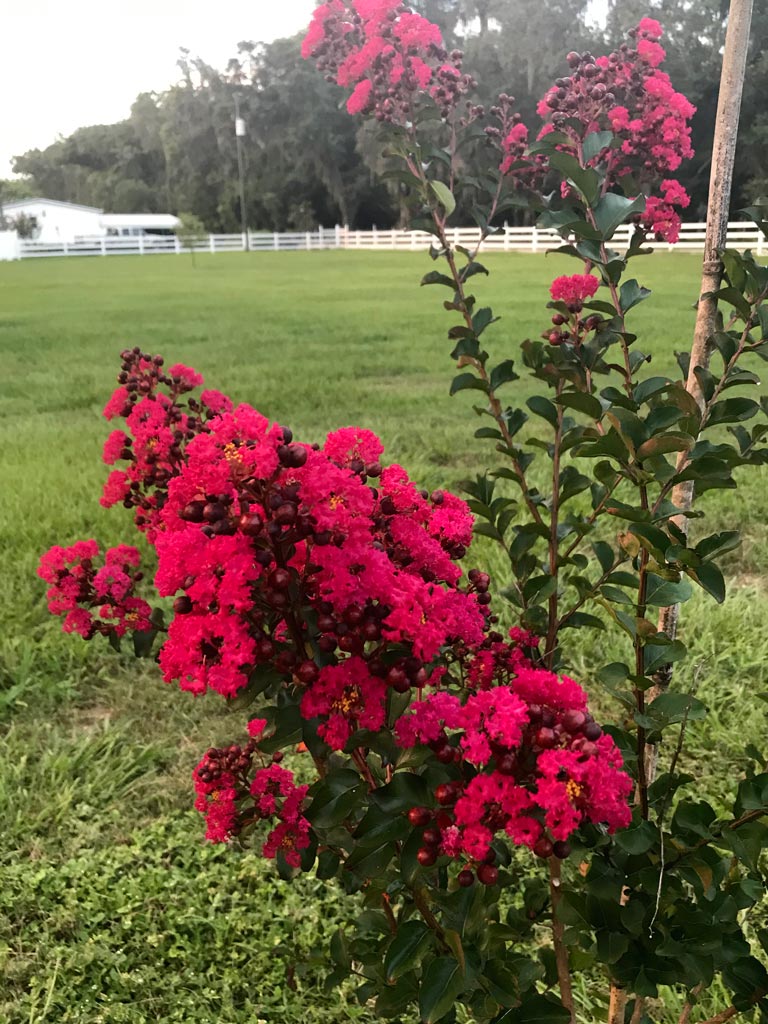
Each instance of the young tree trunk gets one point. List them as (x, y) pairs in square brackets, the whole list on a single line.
[(720, 181)]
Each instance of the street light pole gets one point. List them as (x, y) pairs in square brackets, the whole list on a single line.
[(239, 136)]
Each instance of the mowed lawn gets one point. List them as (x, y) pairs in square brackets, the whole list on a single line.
[(112, 909)]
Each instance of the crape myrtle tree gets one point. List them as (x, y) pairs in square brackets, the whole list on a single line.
[(501, 840)]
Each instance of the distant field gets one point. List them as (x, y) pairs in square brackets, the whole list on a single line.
[(111, 908)]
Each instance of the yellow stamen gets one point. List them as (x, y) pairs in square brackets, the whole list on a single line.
[(231, 453), (573, 789)]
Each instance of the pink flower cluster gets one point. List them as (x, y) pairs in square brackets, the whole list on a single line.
[(386, 54), (158, 425), (574, 290), (627, 93), (660, 216), (527, 759), (257, 529), (95, 600), (230, 800), (336, 580)]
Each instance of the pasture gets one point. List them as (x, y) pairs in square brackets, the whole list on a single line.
[(112, 908)]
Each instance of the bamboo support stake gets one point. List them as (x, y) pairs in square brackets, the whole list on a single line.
[(720, 182)]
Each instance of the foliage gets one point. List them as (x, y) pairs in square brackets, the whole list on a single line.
[(60, 804), (308, 164), (190, 232), (324, 589), (25, 225)]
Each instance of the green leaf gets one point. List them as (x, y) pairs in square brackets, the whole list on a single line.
[(442, 982), (734, 298), (467, 381), (406, 949), (595, 143), (639, 838), (406, 790), (613, 210), (543, 407), (536, 1010), (733, 262), (582, 402), (444, 196), (340, 950), (630, 295), (370, 863), (504, 373), (709, 577), (327, 865), (732, 410), (586, 180), (663, 593), (482, 319), (435, 277), (471, 269), (672, 707), (718, 544)]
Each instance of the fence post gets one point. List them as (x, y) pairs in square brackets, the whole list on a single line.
[(141, 245), (66, 247), (506, 236), (357, 239), (534, 239), (275, 240), (760, 240), (103, 247), (320, 236), (177, 244), (338, 236), (375, 236)]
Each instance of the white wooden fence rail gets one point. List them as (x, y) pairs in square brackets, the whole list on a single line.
[(741, 235)]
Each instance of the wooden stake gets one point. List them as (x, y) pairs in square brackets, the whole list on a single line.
[(720, 182)]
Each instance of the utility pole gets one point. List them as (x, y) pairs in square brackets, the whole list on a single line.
[(239, 136)]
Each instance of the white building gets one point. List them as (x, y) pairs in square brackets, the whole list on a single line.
[(70, 222)]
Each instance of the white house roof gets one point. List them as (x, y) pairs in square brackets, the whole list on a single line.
[(17, 203), (138, 220)]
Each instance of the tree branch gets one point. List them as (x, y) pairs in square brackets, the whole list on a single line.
[(558, 931)]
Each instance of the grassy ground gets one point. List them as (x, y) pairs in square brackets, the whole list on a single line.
[(111, 907)]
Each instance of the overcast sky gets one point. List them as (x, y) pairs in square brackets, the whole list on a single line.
[(67, 64), (81, 62)]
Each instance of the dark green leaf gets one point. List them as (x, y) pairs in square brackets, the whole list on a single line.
[(407, 948), (434, 277), (504, 373), (465, 381), (582, 402), (443, 981), (630, 295), (536, 1010), (613, 210), (543, 407), (709, 577), (406, 790), (732, 410)]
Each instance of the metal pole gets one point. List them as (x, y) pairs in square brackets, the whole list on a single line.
[(239, 135)]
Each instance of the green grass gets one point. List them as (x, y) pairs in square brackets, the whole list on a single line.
[(111, 907)]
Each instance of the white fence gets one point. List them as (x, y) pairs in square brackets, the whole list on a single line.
[(741, 235)]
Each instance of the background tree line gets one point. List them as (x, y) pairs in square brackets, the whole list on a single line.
[(309, 163)]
